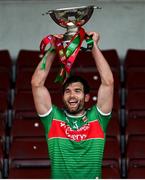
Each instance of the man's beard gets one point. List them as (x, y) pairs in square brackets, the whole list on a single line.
[(77, 110)]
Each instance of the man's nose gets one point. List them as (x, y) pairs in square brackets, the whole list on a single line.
[(72, 94)]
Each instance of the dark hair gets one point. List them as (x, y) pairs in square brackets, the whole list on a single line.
[(73, 79)]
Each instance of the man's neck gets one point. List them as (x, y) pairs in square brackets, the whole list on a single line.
[(79, 114)]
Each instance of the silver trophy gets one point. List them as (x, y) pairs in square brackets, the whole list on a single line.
[(71, 18)]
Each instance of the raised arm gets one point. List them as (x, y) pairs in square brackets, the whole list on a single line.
[(42, 99), (105, 92)]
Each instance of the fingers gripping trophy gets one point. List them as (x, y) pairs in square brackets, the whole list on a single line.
[(68, 45)]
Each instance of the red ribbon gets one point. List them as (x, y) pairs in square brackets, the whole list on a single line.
[(67, 55)]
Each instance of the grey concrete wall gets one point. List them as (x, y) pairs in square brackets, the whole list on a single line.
[(121, 24)]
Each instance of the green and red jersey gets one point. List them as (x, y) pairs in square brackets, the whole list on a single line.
[(75, 143)]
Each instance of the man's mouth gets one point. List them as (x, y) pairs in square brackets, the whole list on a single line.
[(73, 102)]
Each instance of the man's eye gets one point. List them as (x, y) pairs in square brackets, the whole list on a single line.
[(78, 90), (66, 91)]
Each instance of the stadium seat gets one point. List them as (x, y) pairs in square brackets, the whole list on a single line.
[(5, 61), (113, 129), (136, 169), (135, 78), (1, 163), (85, 59), (28, 127), (135, 154), (5, 81), (112, 58), (110, 170), (29, 59), (2, 146), (23, 106), (93, 99), (135, 127), (134, 58), (29, 172), (23, 81), (135, 100), (4, 102), (134, 67), (29, 158), (135, 113), (112, 159), (114, 151)]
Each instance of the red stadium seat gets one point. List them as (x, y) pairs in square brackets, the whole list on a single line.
[(110, 170), (93, 99), (135, 127), (4, 102), (136, 169), (135, 100), (134, 67), (112, 153), (29, 173), (112, 58), (136, 156), (23, 81), (135, 78), (136, 147), (112, 159), (29, 127), (135, 103), (85, 59), (135, 113), (29, 155), (2, 145), (113, 129), (24, 105), (5, 61), (29, 59), (5, 81), (134, 58), (28, 149)]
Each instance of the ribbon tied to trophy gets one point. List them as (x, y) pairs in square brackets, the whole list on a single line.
[(72, 19)]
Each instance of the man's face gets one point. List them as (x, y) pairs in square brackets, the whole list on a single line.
[(74, 98)]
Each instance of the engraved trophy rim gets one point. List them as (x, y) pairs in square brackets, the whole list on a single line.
[(72, 8)]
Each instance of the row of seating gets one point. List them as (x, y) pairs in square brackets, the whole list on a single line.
[(23, 147)]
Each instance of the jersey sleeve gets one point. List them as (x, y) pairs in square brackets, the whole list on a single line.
[(46, 119), (96, 114), (103, 118)]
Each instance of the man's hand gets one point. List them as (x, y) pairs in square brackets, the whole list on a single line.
[(59, 36), (95, 37)]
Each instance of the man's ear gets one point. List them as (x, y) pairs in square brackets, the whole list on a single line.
[(87, 97)]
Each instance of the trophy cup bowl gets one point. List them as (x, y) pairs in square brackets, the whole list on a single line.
[(71, 18)]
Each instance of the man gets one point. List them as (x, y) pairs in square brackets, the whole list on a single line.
[(75, 136)]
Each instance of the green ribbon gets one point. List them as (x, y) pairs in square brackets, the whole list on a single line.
[(44, 59), (90, 43), (72, 47), (63, 75)]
